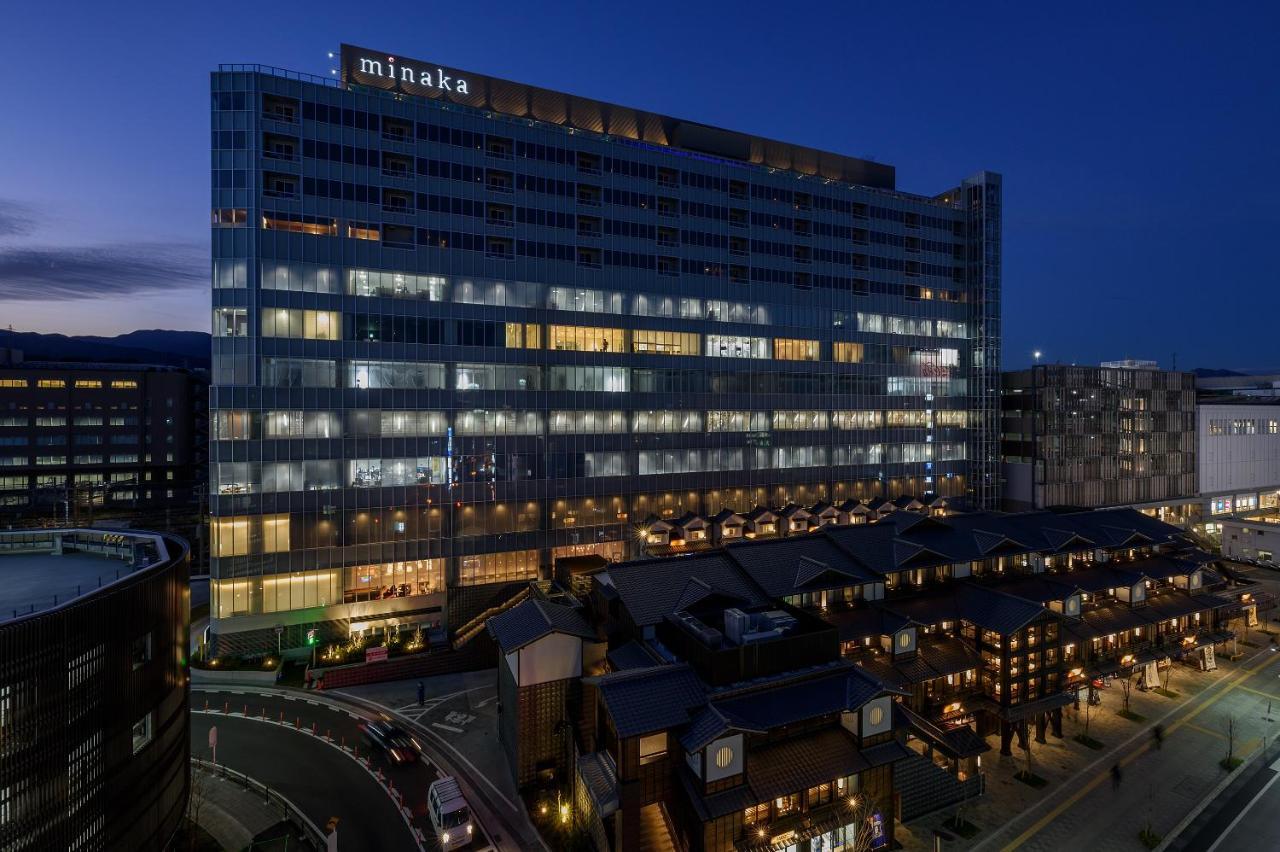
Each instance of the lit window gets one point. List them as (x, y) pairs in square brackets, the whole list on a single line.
[(88, 383), (847, 353), (13, 383), (786, 349), (653, 747), (124, 384), (51, 383)]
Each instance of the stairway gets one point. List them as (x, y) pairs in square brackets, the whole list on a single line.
[(653, 834), (926, 788), (475, 626)]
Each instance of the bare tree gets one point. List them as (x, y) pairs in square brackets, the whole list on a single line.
[(199, 794), (1026, 746), (1128, 683), (1231, 740)]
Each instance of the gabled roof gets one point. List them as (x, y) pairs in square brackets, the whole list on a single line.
[(992, 542), (791, 510), (531, 620), (698, 590), (820, 507), (775, 566), (641, 701), (761, 513), (710, 724), (689, 519), (652, 589), (1062, 539), (726, 515)]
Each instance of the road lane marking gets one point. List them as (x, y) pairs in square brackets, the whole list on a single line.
[(487, 700), (1193, 726), (446, 727), (1270, 695), (1087, 788)]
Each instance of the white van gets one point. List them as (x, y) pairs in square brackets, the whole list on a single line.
[(450, 816)]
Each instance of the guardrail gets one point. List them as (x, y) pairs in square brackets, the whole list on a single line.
[(288, 810)]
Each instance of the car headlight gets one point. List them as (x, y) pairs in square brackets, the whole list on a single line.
[(444, 838), (470, 828)]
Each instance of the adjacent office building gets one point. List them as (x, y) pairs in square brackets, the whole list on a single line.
[(465, 328), (1123, 434), (1239, 455), (81, 442)]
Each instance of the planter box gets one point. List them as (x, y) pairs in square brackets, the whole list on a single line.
[(256, 676)]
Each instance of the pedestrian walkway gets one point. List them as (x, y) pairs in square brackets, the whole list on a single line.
[(1078, 807), (232, 815)]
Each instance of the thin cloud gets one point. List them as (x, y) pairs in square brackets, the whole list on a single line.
[(16, 218), (61, 273)]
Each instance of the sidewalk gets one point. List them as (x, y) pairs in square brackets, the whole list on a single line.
[(232, 815), (1078, 807)]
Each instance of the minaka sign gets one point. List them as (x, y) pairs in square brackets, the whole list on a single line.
[(401, 74), (404, 75)]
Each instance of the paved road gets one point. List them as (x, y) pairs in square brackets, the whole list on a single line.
[(358, 796), (319, 779), (457, 729), (1160, 785)]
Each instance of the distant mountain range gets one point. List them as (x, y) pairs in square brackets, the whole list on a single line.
[(146, 346)]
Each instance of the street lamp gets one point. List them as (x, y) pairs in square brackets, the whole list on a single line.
[(1036, 355)]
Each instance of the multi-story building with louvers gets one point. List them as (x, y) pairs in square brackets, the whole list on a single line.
[(1089, 437), (465, 328)]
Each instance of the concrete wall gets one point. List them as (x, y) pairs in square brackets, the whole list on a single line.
[(1238, 463), (1250, 540)]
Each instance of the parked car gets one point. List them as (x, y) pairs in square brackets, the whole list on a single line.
[(390, 740), (449, 814)]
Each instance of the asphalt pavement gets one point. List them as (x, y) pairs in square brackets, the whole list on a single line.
[(267, 734)]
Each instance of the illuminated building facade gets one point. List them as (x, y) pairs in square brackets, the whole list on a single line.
[(463, 333)]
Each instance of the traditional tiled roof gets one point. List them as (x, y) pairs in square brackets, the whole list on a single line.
[(846, 688), (800, 763), (710, 724), (776, 565), (992, 609), (530, 620), (726, 514), (655, 588), (601, 780), (641, 701)]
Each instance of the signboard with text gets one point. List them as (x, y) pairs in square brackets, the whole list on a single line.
[(375, 655)]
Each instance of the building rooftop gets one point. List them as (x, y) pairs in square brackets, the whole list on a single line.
[(41, 569), (374, 69), (533, 619)]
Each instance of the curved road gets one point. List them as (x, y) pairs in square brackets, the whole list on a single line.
[(315, 775)]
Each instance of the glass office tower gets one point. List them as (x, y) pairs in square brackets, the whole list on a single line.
[(466, 328)]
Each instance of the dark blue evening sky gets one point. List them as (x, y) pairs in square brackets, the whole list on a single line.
[(1138, 141)]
